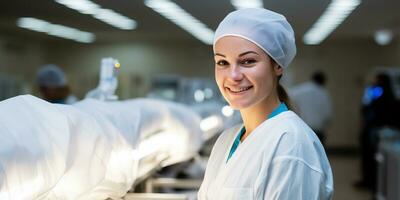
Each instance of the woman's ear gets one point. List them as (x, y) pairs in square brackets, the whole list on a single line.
[(278, 69)]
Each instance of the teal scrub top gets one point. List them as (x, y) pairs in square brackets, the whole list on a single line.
[(281, 108)]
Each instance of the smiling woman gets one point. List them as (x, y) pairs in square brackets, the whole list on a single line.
[(245, 74), (274, 154)]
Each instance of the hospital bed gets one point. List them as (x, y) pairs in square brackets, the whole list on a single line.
[(170, 133), (99, 148), (91, 150)]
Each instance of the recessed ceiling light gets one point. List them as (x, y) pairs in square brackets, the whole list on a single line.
[(55, 29), (383, 37), (183, 19), (240, 4), (106, 15), (334, 15)]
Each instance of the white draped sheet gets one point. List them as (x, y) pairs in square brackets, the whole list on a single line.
[(85, 151)]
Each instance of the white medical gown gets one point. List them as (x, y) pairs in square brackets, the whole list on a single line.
[(282, 159)]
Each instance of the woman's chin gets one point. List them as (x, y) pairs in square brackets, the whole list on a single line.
[(238, 105)]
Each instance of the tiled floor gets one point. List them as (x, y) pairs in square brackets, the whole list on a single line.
[(346, 170)]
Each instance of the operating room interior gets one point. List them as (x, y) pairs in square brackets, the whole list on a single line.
[(142, 72)]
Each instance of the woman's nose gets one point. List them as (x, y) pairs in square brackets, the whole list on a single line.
[(235, 73)]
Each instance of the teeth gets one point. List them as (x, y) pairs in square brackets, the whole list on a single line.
[(240, 89)]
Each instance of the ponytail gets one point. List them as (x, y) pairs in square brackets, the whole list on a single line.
[(283, 95)]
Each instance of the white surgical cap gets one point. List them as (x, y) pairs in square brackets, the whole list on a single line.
[(268, 30), (51, 76)]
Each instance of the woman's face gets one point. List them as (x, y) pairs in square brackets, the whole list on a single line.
[(245, 74)]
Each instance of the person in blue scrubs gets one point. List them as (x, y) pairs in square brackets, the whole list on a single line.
[(53, 85)]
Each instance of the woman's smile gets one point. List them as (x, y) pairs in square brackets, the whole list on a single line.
[(238, 90)]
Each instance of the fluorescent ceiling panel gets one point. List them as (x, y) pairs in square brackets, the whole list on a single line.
[(334, 15), (106, 15), (55, 29), (240, 4), (183, 19)]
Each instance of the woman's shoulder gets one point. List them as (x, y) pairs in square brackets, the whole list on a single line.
[(295, 131), (298, 141), (294, 123), (288, 122), (229, 134)]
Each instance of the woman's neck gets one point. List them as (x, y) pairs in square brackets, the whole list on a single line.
[(257, 114)]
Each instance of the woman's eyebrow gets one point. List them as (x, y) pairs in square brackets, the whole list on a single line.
[(247, 52), (218, 54), (240, 55)]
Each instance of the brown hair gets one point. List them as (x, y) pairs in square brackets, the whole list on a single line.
[(283, 95)]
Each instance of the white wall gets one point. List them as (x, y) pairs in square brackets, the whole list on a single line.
[(19, 60), (346, 64), (139, 62)]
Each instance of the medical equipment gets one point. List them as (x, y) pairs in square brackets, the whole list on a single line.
[(166, 87), (108, 81), (201, 95), (388, 159)]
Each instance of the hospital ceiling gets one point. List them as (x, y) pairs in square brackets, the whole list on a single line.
[(370, 16)]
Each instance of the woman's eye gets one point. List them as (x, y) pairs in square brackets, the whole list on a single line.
[(222, 63), (248, 61)]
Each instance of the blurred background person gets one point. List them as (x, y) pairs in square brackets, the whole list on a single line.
[(379, 108), (53, 85), (313, 103)]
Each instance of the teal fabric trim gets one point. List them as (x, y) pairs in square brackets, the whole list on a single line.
[(281, 108), (236, 142)]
